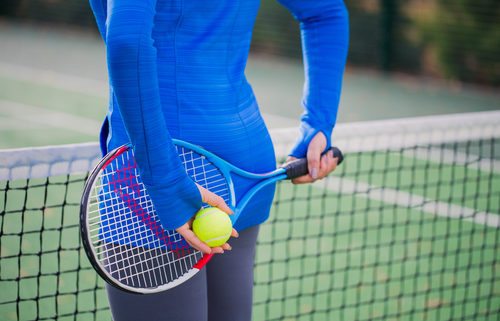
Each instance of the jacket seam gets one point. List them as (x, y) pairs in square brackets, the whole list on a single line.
[(179, 21)]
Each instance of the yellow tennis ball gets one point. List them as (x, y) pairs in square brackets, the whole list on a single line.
[(212, 226)]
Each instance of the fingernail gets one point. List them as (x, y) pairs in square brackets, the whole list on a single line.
[(314, 173), (229, 248)]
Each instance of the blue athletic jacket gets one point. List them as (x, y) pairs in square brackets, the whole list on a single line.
[(176, 70)]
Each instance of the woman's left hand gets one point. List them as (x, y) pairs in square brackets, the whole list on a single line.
[(188, 234), (319, 166)]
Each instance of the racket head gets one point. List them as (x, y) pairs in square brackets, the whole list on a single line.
[(121, 231)]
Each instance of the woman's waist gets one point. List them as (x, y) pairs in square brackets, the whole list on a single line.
[(230, 131), (241, 137), (198, 98)]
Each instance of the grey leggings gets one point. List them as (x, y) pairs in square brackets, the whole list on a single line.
[(222, 291)]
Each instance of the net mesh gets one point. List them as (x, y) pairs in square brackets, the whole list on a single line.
[(406, 229)]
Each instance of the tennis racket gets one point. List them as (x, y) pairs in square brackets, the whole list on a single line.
[(122, 234)]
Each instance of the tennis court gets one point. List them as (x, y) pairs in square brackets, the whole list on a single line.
[(406, 232), (406, 229), (53, 89)]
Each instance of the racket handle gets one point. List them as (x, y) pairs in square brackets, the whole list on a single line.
[(299, 167)]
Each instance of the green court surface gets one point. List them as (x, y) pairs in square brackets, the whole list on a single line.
[(325, 254), (328, 251), (62, 75), (372, 264)]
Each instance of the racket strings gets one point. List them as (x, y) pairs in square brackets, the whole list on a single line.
[(126, 233), (125, 178), (134, 266), (204, 172)]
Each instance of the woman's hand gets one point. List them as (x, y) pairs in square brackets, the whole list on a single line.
[(319, 166), (185, 230)]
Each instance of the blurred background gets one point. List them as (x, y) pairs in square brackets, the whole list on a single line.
[(407, 228), (406, 58)]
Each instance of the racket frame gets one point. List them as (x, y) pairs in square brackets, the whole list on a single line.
[(225, 168)]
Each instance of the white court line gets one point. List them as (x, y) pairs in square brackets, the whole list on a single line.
[(38, 115), (96, 88), (407, 200), (6, 124), (453, 157), (276, 121), (50, 78), (400, 133)]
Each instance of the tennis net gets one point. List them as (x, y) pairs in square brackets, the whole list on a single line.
[(406, 229)]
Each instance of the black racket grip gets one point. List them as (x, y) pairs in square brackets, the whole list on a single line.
[(299, 168)]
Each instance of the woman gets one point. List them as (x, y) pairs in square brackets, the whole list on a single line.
[(176, 70)]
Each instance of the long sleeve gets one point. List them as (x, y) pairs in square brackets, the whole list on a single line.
[(132, 67), (325, 36)]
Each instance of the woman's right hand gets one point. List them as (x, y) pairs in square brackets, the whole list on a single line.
[(318, 166), (186, 231)]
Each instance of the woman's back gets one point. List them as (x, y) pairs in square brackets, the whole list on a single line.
[(202, 48)]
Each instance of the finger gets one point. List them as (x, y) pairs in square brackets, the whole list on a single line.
[(215, 200), (235, 233), (225, 246), (217, 250), (323, 170), (220, 203), (330, 164), (326, 166), (199, 245), (303, 179), (194, 241), (333, 160), (313, 160)]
